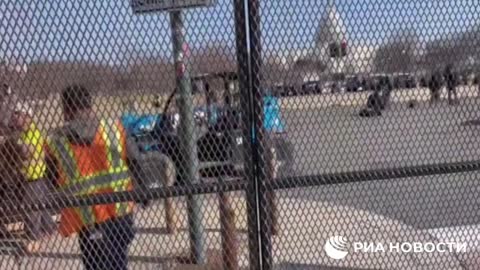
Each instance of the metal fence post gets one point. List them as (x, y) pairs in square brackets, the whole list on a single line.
[(264, 190), (243, 61), (228, 231), (270, 198), (188, 136)]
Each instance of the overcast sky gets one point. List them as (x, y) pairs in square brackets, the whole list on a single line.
[(107, 30)]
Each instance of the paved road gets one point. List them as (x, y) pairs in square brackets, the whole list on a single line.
[(337, 140)]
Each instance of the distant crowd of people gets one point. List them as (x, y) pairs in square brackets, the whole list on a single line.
[(449, 78)]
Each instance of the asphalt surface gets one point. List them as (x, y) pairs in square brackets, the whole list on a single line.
[(336, 139)]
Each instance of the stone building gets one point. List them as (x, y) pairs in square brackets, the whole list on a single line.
[(317, 63)]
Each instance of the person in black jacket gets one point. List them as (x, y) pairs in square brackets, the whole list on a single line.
[(379, 100), (435, 85), (451, 80), (386, 88)]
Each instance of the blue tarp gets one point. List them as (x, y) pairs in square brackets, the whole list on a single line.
[(273, 121), (136, 124)]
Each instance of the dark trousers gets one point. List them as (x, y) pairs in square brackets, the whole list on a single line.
[(106, 246), (452, 94)]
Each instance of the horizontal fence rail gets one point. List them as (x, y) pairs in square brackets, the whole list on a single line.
[(59, 201), (256, 134)]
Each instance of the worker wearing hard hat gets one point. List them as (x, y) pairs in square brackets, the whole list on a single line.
[(31, 142)]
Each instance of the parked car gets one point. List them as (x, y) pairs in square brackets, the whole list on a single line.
[(423, 81), (339, 87), (374, 81), (465, 78), (312, 88), (404, 80), (354, 84), (284, 91), (475, 80)]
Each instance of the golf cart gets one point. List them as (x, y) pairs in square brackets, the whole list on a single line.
[(220, 139)]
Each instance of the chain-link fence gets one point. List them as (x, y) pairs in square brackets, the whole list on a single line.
[(252, 134)]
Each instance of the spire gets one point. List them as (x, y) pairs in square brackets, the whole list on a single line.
[(331, 27)]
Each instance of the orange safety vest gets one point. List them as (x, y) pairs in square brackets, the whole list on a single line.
[(85, 170)]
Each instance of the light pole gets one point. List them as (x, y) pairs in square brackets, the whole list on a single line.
[(188, 138)]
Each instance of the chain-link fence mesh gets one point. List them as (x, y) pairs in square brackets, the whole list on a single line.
[(252, 134), (377, 99)]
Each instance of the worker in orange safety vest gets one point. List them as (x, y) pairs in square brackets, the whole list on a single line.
[(92, 156)]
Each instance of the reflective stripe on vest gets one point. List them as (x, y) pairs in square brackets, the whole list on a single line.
[(115, 177), (84, 184), (112, 136), (35, 167), (66, 157)]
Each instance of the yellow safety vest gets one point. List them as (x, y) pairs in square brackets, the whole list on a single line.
[(35, 167), (116, 179)]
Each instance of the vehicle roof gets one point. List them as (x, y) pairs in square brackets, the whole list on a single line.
[(311, 82), (402, 74), (223, 74)]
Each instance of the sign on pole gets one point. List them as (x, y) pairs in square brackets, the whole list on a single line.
[(187, 122), (141, 6)]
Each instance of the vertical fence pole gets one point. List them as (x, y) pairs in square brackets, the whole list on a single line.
[(188, 136), (260, 149), (270, 198), (228, 232), (243, 61)]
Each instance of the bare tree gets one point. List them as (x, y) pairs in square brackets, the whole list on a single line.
[(461, 49), (399, 54), (213, 58)]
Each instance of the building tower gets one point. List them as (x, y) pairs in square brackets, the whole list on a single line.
[(331, 41)]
